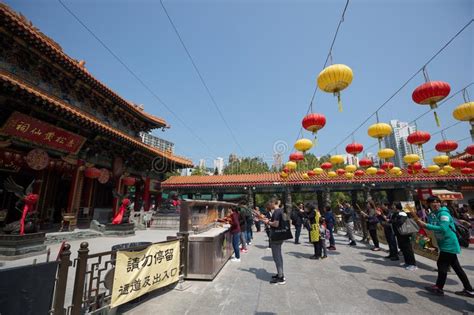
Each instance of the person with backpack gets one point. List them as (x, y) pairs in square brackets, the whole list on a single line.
[(444, 228)]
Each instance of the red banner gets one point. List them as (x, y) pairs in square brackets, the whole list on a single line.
[(39, 132)]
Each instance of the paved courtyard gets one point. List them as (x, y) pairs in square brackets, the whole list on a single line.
[(350, 281)]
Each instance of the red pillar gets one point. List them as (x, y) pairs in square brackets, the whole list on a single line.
[(146, 195), (74, 187), (118, 187)]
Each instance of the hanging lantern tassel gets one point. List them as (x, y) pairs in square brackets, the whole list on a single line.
[(315, 140), (380, 143), (339, 102), (434, 106)]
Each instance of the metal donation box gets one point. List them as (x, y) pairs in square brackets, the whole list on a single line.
[(209, 244)]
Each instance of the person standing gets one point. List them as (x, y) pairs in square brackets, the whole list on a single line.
[(348, 216), (256, 214), (330, 223), (233, 220), (404, 241), (371, 223), (444, 229), (314, 234), (274, 223), (297, 220), (384, 218)]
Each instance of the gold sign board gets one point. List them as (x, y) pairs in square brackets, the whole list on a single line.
[(137, 273)]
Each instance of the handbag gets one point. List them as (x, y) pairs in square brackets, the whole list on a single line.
[(314, 233), (282, 232), (408, 227)]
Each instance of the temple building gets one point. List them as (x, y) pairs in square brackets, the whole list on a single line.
[(64, 129)]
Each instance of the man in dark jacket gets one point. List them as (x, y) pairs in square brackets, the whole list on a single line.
[(297, 220), (348, 215), (330, 223)]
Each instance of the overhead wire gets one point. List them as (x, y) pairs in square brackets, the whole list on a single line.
[(329, 56), (129, 70), (406, 82), (201, 78)]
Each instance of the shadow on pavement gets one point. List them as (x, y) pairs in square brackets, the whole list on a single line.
[(261, 246), (353, 269), (384, 262), (299, 255), (265, 313), (451, 302), (468, 267), (372, 255), (432, 278), (387, 296), (405, 283), (267, 258), (260, 273), (333, 252)]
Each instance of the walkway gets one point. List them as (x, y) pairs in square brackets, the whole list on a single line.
[(349, 281)]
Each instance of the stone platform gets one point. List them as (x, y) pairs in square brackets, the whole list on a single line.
[(125, 229), (14, 247), (165, 221)]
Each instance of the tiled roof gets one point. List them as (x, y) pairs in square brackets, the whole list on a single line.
[(31, 34), (89, 120), (296, 178)]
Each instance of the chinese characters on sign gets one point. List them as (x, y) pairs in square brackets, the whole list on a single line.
[(137, 273), (36, 131)]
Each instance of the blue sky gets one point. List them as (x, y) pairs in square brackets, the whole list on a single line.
[(260, 60)]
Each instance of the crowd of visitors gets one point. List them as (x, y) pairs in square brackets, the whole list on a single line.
[(398, 227)]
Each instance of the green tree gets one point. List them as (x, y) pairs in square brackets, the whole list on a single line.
[(198, 171), (247, 165)]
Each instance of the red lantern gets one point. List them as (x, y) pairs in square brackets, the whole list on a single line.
[(311, 173), (470, 149), (387, 165), (381, 172), (467, 170), (419, 138), (354, 148), (470, 164), (314, 122), (326, 166), (426, 171), (286, 170), (128, 181), (340, 171), (446, 146), (415, 166), (297, 156), (92, 172), (411, 172), (359, 173), (365, 162), (458, 163), (430, 93)]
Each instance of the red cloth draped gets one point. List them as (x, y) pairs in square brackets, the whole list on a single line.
[(29, 200), (119, 216)]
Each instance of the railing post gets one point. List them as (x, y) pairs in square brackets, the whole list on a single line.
[(60, 290), (79, 280)]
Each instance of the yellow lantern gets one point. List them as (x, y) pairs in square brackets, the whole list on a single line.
[(351, 168), (379, 131), (394, 170), (337, 159), (291, 165), (386, 154), (399, 173), (441, 159), (465, 112), (303, 145), (371, 171), (283, 175), (411, 158), (448, 168), (318, 171), (332, 174), (442, 172), (305, 176), (349, 175), (433, 168), (334, 79)]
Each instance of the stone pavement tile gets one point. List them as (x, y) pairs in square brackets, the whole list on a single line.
[(350, 281)]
